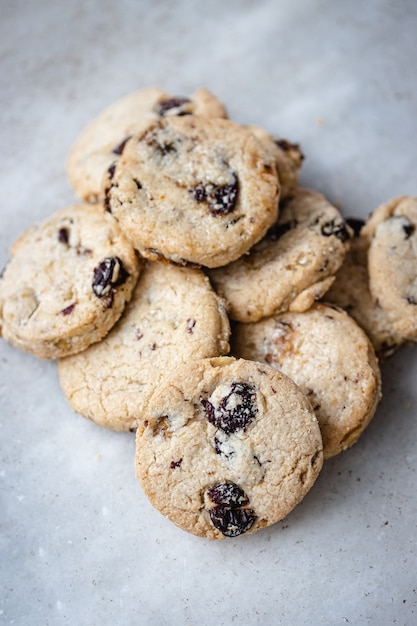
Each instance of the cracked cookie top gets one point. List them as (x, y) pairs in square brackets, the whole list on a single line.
[(227, 447)]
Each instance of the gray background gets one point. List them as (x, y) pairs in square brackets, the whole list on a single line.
[(79, 543)]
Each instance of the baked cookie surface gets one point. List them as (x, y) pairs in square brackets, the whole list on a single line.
[(194, 190), (288, 159), (227, 447), (67, 282), (174, 316), (392, 262), (350, 291), (292, 266), (331, 359), (102, 140)]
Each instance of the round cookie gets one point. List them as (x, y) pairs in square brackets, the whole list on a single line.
[(102, 140), (350, 291), (292, 266), (174, 316), (194, 190), (227, 447), (67, 282), (288, 159), (331, 359), (392, 262)]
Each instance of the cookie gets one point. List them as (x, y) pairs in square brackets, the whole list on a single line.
[(288, 159), (350, 291), (227, 447), (174, 316), (292, 266), (331, 359), (102, 140), (392, 262), (194, 190), (67, 282)]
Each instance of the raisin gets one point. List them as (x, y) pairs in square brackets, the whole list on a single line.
[(411, 300), (175, 464), (69, 309), (190, 325), (221, 199), (108, 275), (106, 202), (356, 224), (337, 228), (287, 146), (227, 493), (63, 235), (235, 411), (118, 150), (408, 229), (173, 106), (277, 230), (232, 521), (111, 170)]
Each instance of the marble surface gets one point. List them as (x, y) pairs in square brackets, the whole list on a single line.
[(79, 543)]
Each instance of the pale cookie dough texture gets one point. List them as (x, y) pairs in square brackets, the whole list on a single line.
[(174, 317), (227, 447), (329, 356), (288, 159), (293, 266), (67, 282), (392, 262), (350, 291), (102, 140), (194, 190)]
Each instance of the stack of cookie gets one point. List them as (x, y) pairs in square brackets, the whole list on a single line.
[(197, 296)]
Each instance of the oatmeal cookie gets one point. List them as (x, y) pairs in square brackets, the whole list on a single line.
[(331, 359), (227, 447), (292, 266), (392, 262), (194, 190), (67, 282)]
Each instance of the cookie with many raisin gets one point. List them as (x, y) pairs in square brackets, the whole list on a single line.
[(67, 282), (174, 316), (227, 447), (293, 265), (102, 141), (350, 291), (332, 360), (391, 231), (194, 190)]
